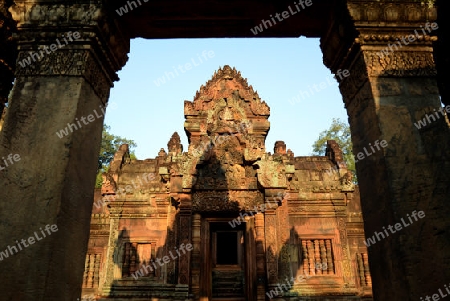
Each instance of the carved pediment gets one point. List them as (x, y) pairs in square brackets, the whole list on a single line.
[(226, 105)]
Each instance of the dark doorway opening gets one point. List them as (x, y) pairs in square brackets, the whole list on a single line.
[(227, 247)]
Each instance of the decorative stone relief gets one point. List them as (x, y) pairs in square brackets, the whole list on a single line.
[(174, 145), (345, 251), (271, 174), (397, 12), (401, 63), (68, 62), (208, 201), (184, 235), (105, 284), (271, 247), (347, 182)]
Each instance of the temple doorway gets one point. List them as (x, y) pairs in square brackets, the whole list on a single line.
[(228, 260), (228, 264)]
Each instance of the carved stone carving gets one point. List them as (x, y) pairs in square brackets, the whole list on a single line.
[(347, 182), (174, 145), (401, 63), (185, 237), (260, 108), (105, 284), (394, 12), (226, 104), (271, 173), (68, 62), (109, 186), (345, 251), (56, 14), (96, 55), (270, 224), (208, 201), (61, 16), (279, 148)]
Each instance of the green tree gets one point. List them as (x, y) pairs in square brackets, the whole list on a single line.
[(110, 144), (340, 132)]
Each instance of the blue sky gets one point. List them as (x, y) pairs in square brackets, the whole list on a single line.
[(278, 69)]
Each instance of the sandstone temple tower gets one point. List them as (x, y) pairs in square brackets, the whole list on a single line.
[(227, 220)]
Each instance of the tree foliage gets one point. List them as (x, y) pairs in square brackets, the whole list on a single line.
[(340, 132), (110, 144)]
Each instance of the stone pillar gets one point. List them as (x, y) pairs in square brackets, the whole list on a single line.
[(68, 55), (112, 254), (196, 259), (185, 237), (386, 94), (271, 239), (260, 262)]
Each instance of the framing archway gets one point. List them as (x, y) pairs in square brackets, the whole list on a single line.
[(385, 94)]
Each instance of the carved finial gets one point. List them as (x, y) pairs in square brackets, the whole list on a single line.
[(162, 153), (219, 105), (174, 145), (279, 148), (334, 153), (290, 153)]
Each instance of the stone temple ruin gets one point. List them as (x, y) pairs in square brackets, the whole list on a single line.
[(385, 96), (227, 220)]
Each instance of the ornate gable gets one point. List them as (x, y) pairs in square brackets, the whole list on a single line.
[(227, 106)]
